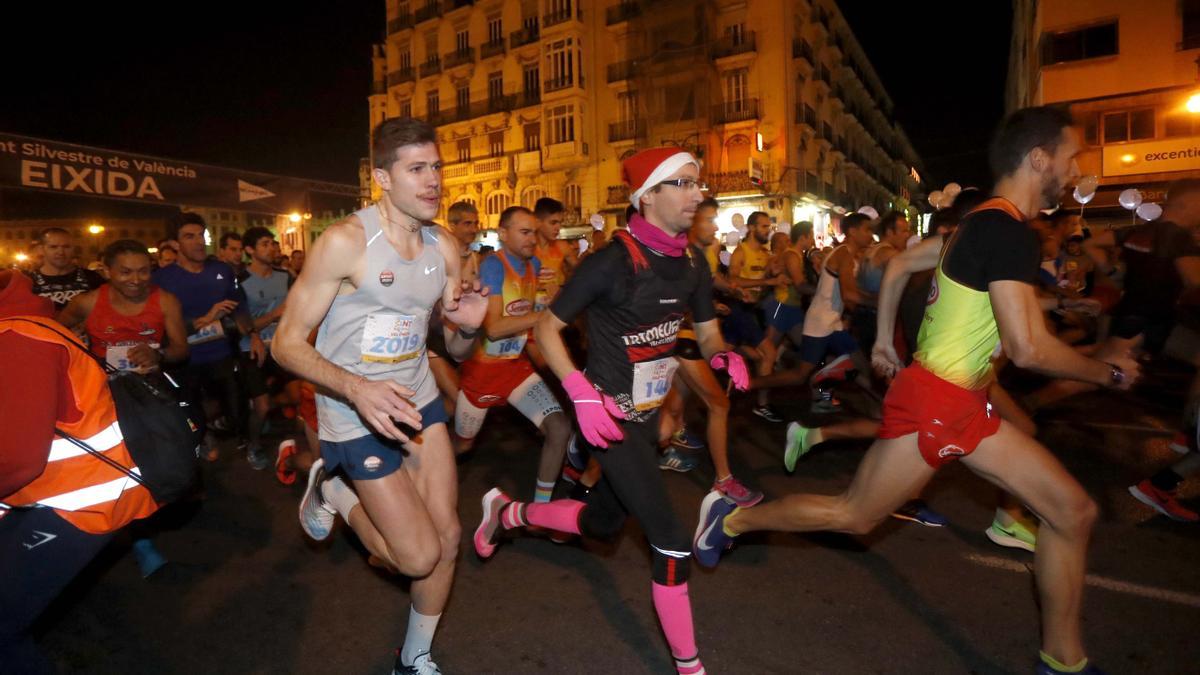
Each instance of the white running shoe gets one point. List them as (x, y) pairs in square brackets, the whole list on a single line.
[(316, 517), (422, 665)]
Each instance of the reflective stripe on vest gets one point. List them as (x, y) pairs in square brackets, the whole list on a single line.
[(82, 498), (107, 439)]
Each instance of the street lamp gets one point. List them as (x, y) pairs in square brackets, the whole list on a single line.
[(294, 217), (1193, 103), (21, 257), (95, 229)]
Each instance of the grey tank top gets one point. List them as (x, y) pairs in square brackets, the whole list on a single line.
[(379, 330)]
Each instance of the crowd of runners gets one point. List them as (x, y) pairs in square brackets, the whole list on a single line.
[(382, 351)]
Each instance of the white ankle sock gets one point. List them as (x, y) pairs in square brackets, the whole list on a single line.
[(339, 495), (419, 638)]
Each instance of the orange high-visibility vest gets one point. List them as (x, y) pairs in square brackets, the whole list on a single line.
[(83, 490)]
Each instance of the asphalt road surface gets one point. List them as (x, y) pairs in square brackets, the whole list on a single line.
[(246, 593)]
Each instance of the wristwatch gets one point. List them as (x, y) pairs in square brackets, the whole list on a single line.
[(1116, 375)]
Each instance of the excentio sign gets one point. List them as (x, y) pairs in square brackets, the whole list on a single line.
[(1175, 154)]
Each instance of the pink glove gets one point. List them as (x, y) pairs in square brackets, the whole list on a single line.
[(594, 411), (736, 365)]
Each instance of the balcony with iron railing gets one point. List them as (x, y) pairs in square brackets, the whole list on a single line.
[(622, 12), (459, 57), (731, 181), (400, 23), (826, 132), (431, 67), (379, 87), (525, 36), (560, 83), (732, 45), (802, 50), (493, 48), (622, 70), (451, 5), (805, 114), (400, 76), (561, 16), (626, 130), (431, 10), (528, 99), (735, 111)]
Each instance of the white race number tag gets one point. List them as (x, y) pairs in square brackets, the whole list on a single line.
[(651, 381), (508, 348), (213, 331), (392, 338), (117, 356)]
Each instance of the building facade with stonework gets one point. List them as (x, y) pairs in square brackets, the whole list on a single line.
[(537, 98), (1130, 75)]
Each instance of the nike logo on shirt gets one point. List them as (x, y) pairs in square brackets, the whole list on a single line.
[(219, 276), (430, 269)]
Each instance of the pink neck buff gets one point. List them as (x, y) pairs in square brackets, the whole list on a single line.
[(660, 241)]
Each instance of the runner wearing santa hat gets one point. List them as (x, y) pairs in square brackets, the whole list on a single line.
[(635, 292)]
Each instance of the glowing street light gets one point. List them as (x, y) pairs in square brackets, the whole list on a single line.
[(1193, 103), (95, 229), (294, 217), (21, 257)]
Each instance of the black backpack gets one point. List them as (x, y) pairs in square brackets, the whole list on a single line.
[(160, 429)]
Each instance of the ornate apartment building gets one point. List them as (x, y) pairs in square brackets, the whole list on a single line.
[(546, 97)]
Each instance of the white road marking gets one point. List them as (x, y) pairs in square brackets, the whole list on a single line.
[(1116, 585)]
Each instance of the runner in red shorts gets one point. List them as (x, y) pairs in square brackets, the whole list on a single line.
[(500, 371), (937, 409)]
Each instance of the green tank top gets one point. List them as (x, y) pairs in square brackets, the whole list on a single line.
[(959, 336)]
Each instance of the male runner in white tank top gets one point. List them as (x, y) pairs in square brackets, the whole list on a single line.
[(371, 283)]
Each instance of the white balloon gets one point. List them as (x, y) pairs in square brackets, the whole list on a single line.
[(936, 199), (951, 190), (1087, 187), (732, 238), (583, 245), (1082, 198), (597, 222), (1149, 211), (869, 211), (725, 257), (1130, 199)]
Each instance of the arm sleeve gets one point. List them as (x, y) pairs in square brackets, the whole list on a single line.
[(491, 275), (702, 298), (29, 402), (593, 279)]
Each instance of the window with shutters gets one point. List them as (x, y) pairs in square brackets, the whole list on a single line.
[(496, 203), (464, 150), (560, 123), (533, 136), (432, 102), (496, 144), (495, 86)]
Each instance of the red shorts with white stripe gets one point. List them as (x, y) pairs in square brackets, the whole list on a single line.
[(949, 421), (488, 383)]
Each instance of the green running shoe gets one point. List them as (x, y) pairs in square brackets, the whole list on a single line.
[(1016, 535), (796, 446)]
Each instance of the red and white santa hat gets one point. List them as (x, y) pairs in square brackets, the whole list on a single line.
[(650, 167)]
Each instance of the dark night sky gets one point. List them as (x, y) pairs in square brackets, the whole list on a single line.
[(282, 88)]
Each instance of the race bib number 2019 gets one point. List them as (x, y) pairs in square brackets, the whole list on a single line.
[(392, 338)]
